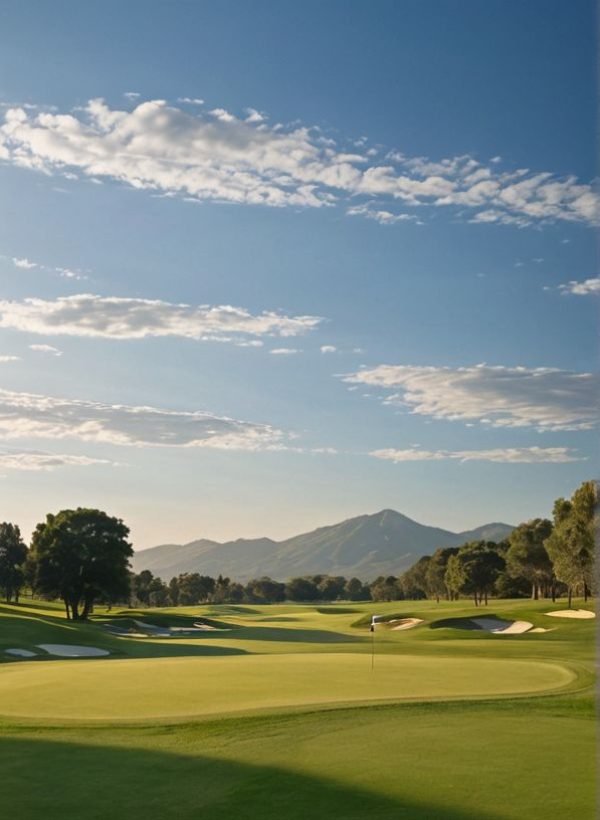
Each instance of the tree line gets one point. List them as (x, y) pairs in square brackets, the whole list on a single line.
[(540, 558), (81, 557)]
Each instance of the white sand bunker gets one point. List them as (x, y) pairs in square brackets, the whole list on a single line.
[(170, 631), (542, 629), (499, 627), (572, 613), (405, 623), (21, 653), (64, 650)]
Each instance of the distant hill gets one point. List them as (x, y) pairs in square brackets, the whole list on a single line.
[(385, 543)]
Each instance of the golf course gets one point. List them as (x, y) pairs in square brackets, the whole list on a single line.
[(299, 711)]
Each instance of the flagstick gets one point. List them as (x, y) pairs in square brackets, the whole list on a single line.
[(373, 648)]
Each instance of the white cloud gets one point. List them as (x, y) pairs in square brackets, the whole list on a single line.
[(585, 288), (190, 100), (508, 455), (382, 216), (131, 95), (284, 351), (546, 398), (26, 264), (5, 359), (221, 157), (27, 460), (114, 317), (27, 415), (328, 348), (50, 349)]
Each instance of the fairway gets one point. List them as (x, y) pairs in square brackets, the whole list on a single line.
[(280, 715), (188, 687)]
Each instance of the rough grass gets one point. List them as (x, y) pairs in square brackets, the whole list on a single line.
[(472, 756)]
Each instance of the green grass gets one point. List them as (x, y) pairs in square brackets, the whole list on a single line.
[(282, 717)]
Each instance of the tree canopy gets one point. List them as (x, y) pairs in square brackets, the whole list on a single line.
[(80, 556)]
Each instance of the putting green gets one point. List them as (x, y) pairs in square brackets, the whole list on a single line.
[(174, 688)]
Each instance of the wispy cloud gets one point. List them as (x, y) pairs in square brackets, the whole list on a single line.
[(49, 349), (35, 461), (27, 415), (546, 398), (587, 287), (507, 455), (328, 348), (27, 264), (23, 263), (112, 317), (4, 359), (219, 156), (284, 351)]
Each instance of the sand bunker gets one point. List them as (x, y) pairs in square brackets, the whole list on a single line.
[(21, 653), (542, 629), (499, 627), (64, 650), (170, 631), (572, 613), (405, 623)]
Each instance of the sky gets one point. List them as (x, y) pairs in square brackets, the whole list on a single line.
[(265, 266)]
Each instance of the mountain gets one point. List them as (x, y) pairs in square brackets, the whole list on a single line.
[(385, 543)]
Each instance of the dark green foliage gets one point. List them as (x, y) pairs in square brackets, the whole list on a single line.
[(527, 556), (571, 546), (81, 556), (13, 554), (302, 589)]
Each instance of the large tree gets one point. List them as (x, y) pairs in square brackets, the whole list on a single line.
[(13, 553), (80, 556), (435, 573), (528, 558), (571, 546), (474, 570)]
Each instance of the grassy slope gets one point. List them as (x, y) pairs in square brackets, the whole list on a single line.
[(509, 758)]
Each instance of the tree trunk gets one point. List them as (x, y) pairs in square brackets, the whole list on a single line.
[(486, 598), (475, 599), (553, 592), (570, 596), (534, 591)]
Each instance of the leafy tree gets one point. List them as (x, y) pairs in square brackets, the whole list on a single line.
[(436, 571), (385, 589), (474, 570), (265, 590), (355, 590), (79, 556), (195, 588), (571, 545), (301, 589), (140, 587), (332, 588), (413, 582), (174, 592), (13, 554), (158, 593), (527, 556)]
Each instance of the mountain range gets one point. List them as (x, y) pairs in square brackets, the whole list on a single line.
[(385, 543)]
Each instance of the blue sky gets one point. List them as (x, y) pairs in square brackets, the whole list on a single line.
[(340, 254)]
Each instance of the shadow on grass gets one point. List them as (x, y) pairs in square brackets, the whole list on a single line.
[(61, 779)]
